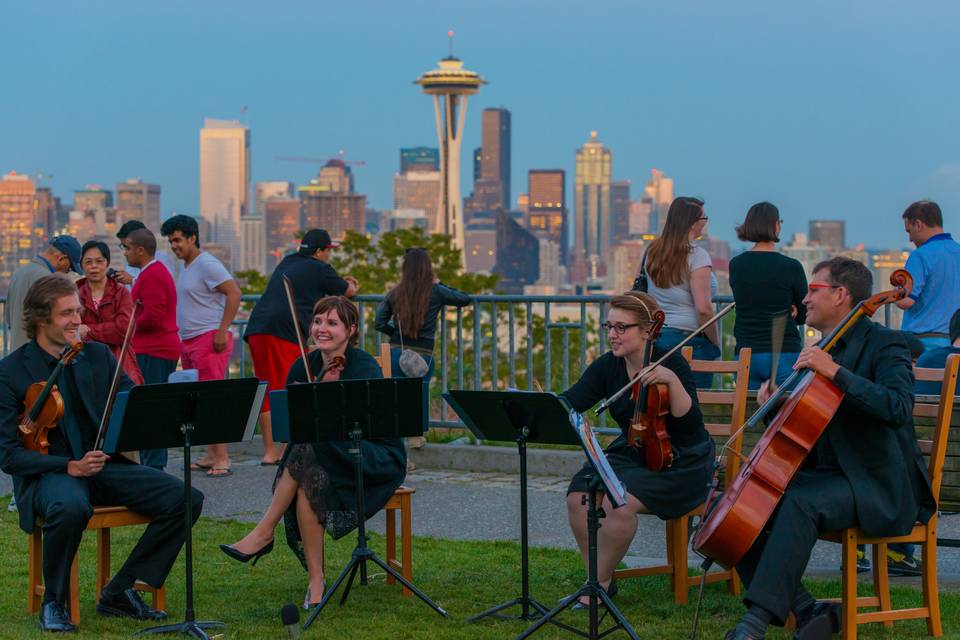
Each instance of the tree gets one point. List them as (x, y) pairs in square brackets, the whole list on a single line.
[(251, 282)]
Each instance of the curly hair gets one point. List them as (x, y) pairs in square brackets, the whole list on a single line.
[(346, 311), (43, 294)]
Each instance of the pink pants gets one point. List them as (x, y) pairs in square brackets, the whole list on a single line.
[(198, 354)]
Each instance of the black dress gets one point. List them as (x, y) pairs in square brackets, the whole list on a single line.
[(325, 470), (669, 493)]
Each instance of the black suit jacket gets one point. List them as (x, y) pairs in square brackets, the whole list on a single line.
[(93, 371), (872, 433)]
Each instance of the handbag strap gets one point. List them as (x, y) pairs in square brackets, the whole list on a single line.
[(643, 264), (399, 330)]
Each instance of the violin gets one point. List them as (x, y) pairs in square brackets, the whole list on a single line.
[(648, 428), (331, 370), (733, 519), (45, 405)]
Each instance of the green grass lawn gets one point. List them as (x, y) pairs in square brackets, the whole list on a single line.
[(463, 577)]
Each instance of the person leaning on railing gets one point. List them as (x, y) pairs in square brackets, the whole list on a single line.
[(409, 315), (680, 278), (766, 285)]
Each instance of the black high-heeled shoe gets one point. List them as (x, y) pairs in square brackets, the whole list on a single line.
[(240, 556)]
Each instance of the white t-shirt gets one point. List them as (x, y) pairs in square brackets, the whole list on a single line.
[(677, 301), (199, 304)]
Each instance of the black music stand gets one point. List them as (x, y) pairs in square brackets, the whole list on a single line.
[(522, 416), (159, 416), (602, 479), (350, 411)]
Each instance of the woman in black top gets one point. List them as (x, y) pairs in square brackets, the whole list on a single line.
[(668, 494), (409, 312), (766, 285), (315, 486)]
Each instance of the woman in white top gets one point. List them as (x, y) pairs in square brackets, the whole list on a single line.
[(680, 278)]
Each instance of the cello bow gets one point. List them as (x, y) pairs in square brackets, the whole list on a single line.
[(288, 289)]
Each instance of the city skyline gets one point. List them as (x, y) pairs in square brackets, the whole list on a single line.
[(835, 118)]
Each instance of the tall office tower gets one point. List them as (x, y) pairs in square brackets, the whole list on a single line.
[(413, 159), (480, 236), (92, 198), (477, 160), (624, 261), (640, 217), (252, 243), (19, 237), (281, 221), (93, 216), (137, 200), (517, 259), (264, 190), (491, 183), (620, 210), (329, 202), (45, 215), (404, 219), (660, 192), (418, 190), (828, 233), (450, 85), (225, 181), (592, 230), (547, 206)]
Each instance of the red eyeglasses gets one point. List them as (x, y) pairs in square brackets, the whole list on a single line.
[(813, 286)]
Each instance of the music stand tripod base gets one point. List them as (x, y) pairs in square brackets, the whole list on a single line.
[(362, 553)]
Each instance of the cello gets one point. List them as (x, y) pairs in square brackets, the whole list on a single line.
[(44, 405), (733, 519), (648, 428)]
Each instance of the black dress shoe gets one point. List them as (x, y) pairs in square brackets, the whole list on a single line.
[(739, 634), (127, 604), (821, 623), (240, 556), (54, 618)]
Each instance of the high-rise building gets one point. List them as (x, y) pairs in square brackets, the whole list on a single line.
[(547, 206), (624, 262), (93, 216), (517, 259), (413, 159), (481, 242), (281, 221), (405, 219), (552, 272), (620, 210), (659, 193), (450, 85), (225, 181), (253, 243), (491, 183), (137, 200), (264, 190), (45, 215), (418, 190), (20, 237), (330, 203), (91, 198), (640, 211), (592, 214), (828, 233)]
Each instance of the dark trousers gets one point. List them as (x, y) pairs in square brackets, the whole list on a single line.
[(64, 504), (817, 501), (155, 370)]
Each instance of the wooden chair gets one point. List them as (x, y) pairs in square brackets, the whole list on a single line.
[(678, 530), (924, 535), (102, 521)]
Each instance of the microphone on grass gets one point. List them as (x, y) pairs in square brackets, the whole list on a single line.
[(290, 618)]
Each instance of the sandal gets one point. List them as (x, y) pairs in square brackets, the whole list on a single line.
[(219, 472), (199, 465)]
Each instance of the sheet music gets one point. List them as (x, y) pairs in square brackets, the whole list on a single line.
[(615, 488)]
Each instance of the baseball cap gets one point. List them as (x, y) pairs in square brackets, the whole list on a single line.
[(316, 239), (68, 246)]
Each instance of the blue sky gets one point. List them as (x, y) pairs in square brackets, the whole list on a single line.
[(828, 109)]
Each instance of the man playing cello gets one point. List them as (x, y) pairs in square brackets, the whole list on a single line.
[(56, 490), (865, 470)]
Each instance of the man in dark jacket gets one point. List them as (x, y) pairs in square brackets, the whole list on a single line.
[(56, 490), (865, 470)]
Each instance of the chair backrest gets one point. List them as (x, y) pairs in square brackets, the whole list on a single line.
[(937, 447), (384, 360), (735, 398)]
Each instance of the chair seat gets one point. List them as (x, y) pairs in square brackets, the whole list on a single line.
[(917, 534)]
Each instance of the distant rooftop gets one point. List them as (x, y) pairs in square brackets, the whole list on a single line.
[(213, 123)]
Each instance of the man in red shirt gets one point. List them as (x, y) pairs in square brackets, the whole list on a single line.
[(156, 339)]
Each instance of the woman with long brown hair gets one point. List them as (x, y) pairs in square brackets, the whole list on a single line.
[(680, 278), (409, 313)]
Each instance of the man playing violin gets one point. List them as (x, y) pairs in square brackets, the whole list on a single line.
[(56, 490), (865, 470), (669, 493)]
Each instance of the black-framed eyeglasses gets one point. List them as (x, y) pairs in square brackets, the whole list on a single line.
[(618, 327)]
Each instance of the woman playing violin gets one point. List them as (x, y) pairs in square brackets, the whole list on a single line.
[(864, 471), (669, 493), (315, 486)]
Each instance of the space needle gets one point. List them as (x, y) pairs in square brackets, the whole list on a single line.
[(450, 85)]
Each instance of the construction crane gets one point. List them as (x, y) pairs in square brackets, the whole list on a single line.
[(340, 156)]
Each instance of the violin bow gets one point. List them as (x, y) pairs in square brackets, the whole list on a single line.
[(114, 384), (605, 404), (288, 289)]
